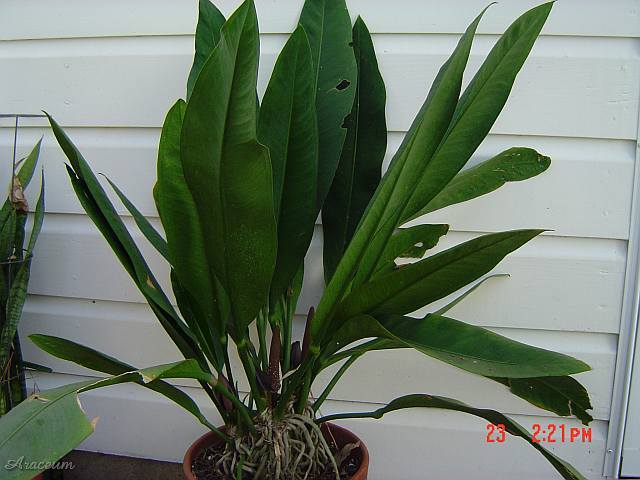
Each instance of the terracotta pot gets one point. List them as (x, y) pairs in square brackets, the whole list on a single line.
[(342, 436)]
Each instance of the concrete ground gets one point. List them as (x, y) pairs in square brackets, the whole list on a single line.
[(99, 466)]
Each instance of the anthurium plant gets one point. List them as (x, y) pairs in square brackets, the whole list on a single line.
[(15, 264), (241, 181)]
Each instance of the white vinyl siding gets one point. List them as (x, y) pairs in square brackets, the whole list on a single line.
[(108, 71)]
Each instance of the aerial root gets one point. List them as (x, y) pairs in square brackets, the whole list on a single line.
[(290, 449)]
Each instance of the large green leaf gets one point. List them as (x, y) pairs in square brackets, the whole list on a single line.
[(328, 27), (360, 166), (63, 425), (288, 127), (181, 223), (382, 215), (479, 106), (412, 286), (228, 172), (512, 165), (48, 425), (474, 349), (210, 21), (432, 401), (100, 362)]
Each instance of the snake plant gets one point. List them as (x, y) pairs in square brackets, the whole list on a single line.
[(241, 181), (15, 264)]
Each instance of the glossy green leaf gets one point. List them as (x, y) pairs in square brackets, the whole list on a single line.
[(185, 240), (512, 165), (474, 349), (360, 166), (62, 426), (562, 395), (150, 233), (432, 401), (210, 21), (410, 242), (386, 344), (418, 284), (382, 216), (288, 126), (100, 362), (50, 424), (479, 107), (328, 28), (228, 172)]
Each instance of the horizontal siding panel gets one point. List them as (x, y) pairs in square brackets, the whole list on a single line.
[(566, 284), (405, 445), (567, 88), (116, 329), (78, 18), (587, 192)]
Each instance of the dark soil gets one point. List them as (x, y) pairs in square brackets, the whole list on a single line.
[(203, 465)]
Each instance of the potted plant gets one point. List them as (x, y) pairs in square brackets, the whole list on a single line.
[(239, 186), (15, 266)]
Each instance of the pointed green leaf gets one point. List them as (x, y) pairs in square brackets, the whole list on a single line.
[(382, 216), (94, 200), (474, 349), (100, 362), (228, 172), (44, 428), (512, 165), (288, 127), (479, 106), (50, 424), (418, 284), (185, 240), (328, 28), (210, 21), (360, 166), (150, 233), (432, 401), (28, 166)]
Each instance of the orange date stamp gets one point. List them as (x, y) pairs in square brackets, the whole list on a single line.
[(549, 433)]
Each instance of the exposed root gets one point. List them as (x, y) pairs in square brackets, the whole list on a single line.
[(290, 449)]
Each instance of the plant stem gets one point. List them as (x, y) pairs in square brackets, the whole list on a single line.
[(287, 332), (250, 371), (304, 393), (207, 388), (261, 324), (294, 381), (345, 366), (243, 412)]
